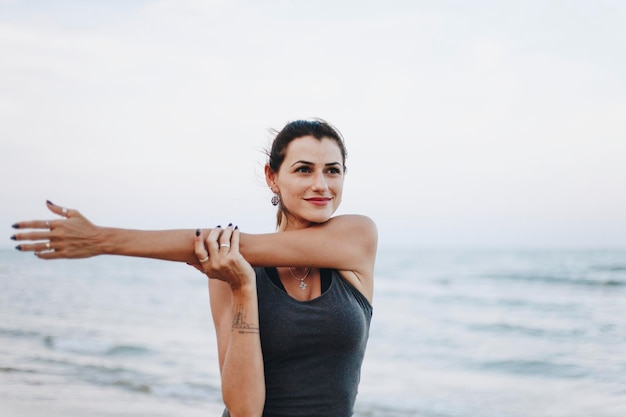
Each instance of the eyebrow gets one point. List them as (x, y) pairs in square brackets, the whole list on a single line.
[(311, 163)]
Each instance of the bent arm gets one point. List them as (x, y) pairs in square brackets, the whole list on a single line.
[(234, 306), (344, 242), (242, 371)]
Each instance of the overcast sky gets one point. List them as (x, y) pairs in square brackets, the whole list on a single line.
[(468, 123)]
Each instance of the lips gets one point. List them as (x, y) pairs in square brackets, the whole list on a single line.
[(320, 201)]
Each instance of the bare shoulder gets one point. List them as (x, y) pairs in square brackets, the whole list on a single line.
[(364, 225), (357, 231), (344, 242), (360, 234)]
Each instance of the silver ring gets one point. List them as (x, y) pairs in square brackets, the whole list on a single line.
[(48, 245), (64, 211), (224, 245), (204, 260)]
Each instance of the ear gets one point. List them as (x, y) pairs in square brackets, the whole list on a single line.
[(270, 178)]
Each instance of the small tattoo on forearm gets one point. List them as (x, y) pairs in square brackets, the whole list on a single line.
[(241, 325)]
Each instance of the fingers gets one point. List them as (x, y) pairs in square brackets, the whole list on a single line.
[(212, 242), (33, 236), (43, 250), (225, 239), (34, 239), (43, 231), (70, 238), (34, 224), (35, 247), (48, 255), (199, 248), (234, 240), (196, 266), (47, 224), (218, 242), (61, 211)]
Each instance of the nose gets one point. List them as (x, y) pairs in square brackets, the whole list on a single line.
[(319, 182)]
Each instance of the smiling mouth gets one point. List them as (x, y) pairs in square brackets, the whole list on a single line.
[(318, 200)]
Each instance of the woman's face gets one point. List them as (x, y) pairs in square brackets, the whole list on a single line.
[(310, 180)]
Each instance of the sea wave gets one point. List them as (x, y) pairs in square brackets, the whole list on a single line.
[(544, 369), (609, 268), (18, 333), (133, 380), (559, 280), (127, 350), (504, 328), (12, 369), (86, 346)]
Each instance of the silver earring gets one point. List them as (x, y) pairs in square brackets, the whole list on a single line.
[(275, 200)]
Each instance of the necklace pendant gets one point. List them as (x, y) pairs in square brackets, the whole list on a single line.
[(303, 285)]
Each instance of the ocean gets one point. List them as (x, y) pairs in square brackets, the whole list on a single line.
[(455, 333)]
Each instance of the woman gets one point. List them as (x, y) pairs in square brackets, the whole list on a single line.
[(292, 308)]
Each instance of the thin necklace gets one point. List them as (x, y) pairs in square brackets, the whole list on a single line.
[(303, 285)]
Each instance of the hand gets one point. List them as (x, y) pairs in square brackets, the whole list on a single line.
[(72, 237), (223, 260)]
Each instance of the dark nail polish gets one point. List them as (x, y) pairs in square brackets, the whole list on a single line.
[(50, 202), (15, 226), (230, 224), (197, 232), (13, 237), (218, 226), (18, 247), (236, 227)]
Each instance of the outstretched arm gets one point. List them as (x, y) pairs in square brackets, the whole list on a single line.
[(76, 237), (343, 242)]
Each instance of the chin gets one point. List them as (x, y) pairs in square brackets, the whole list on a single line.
[(312, 216), (319, 218)]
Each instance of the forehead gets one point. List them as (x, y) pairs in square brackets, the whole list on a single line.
[(311, 149)]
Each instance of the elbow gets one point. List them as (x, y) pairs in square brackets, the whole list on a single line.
[(242, 407), (245, 412)]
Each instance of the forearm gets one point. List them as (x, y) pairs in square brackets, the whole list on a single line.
[(243, 381), (171, 245)]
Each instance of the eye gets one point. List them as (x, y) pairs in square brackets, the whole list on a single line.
[(303, 168), (333, 170)]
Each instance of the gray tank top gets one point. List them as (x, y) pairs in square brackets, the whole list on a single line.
[(312, 350)]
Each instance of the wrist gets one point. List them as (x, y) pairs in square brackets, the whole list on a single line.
[(245, 290), (104, 241)]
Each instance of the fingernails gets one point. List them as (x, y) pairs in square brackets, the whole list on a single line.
[(236, 227), (18, 247), (50, 202), (15, 226), (218, 226), (197, 232), (230, 224), (13, 237)]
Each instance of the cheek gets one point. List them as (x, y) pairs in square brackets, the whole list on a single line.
[(337, 185)]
